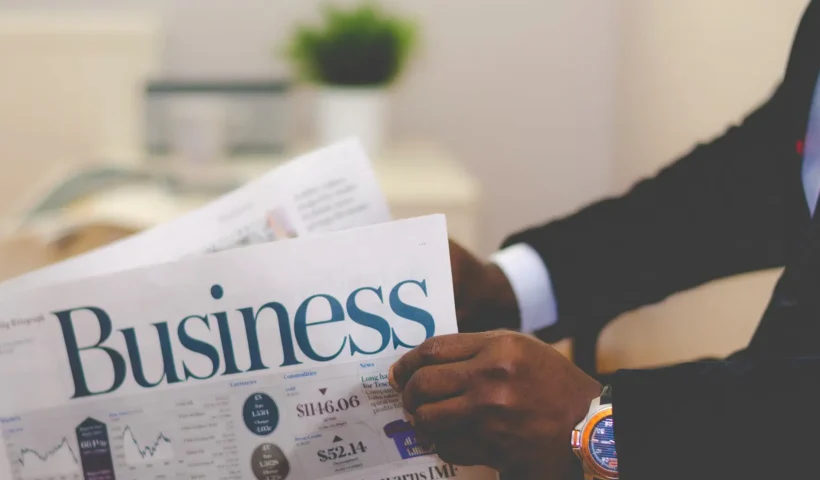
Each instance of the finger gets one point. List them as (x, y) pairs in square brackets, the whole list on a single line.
[(461, 443), (434, 351), (444, 418), (435, 382), (461, 449)]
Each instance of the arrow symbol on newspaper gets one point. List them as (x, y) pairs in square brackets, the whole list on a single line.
[(337, 439), (323, 390)]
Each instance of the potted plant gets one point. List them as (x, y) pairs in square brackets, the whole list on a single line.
[(354, 56)]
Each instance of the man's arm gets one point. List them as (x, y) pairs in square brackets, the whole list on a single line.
[(718, 420), (509, 401), (727, 207)]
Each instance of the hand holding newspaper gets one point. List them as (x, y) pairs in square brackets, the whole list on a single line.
[(266, 362)]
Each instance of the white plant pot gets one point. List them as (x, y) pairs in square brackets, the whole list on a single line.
[(353, 112)]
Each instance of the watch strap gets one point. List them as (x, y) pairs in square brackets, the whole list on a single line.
[(606, 395)]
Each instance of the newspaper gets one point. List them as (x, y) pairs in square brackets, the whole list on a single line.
[(266, 362), (329, 189), (148, 360)]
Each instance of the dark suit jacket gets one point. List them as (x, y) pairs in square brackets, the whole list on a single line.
[(733, 205)]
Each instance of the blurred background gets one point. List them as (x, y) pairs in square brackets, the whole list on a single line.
[(115, 116)]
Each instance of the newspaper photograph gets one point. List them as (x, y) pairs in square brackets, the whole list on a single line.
[(326, 190), (266, 362)]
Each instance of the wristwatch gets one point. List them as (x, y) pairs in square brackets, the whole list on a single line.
[(593, 440)]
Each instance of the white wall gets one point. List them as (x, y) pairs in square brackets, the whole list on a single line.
[(520, 90)]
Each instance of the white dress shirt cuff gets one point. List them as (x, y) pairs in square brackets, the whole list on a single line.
[(530, 281)]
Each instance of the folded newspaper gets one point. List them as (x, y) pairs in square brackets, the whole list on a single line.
[(330, 189), (265, 362)]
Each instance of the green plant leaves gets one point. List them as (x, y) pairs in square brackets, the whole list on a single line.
[(363, 46)]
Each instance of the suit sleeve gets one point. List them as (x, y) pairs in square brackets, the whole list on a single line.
[(718, 420), (726, 207)]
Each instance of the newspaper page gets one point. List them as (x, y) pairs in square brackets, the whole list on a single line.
[(329, 189), (267, 362)]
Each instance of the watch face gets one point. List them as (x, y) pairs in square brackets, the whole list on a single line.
[(602, 445)]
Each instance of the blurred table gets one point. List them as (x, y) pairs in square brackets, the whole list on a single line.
[(417, 179)]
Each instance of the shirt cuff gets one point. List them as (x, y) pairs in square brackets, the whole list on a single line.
[(530, 281)]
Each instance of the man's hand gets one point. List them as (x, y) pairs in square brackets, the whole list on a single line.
[(483, 295), (499, 399)]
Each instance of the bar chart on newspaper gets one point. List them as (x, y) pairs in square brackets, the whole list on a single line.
[(315, 424)]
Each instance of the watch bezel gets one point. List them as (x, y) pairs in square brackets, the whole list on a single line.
[(586, 455)]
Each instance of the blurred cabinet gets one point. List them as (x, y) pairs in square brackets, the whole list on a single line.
[(424, 180), (416, 180)]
